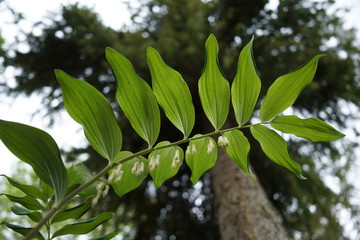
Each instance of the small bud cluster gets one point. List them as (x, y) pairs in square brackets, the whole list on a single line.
[(191, 149), (176, 160), (154, 162), (102, 189), (138, 168), (116, 175), (223, 142), (210, 146)]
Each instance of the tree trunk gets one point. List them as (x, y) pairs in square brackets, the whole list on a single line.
[(241, 205)]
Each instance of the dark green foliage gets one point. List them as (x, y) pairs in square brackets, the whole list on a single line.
[(287, 37)]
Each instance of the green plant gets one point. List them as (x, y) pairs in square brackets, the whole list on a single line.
[(59, 187)]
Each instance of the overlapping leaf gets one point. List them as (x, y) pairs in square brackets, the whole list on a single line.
[(29, 190), (167, 166), (87, 106), (313, 129), (135, 97), (83, 227), (129, 180), (26, 201), (35, 216), (274, 146), (238, 150), (72, 213), (285, 90), (172, 93), (214, 89), (246, 86), (200, 156), (79, 174), (39, 150), (23, 230)]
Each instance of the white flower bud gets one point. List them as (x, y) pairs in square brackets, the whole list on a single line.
[(223, 141), (176, 160), (95, 201), (211, 147), (105, 191), (119, 176), (193, 149), (154, 162), (188, 150)]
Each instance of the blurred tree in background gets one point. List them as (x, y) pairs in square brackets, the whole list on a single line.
[(285, 38)]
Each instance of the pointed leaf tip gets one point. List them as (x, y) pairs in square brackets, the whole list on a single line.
[(246, 86), (87, 106), (214, 89), (171, 92), (275, 147), (285, 90), (135, 97), (312, 129)]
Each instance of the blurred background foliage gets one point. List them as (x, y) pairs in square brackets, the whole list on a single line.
[(285, 37)]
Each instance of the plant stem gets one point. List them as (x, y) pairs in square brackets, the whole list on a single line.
[(71, 195)]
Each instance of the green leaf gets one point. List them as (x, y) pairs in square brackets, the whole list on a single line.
[(129, 180), (135, 97), (83, 227), (313, 129), (29, 190), (87, 106), (171, 92), (200, 156), (167, 167), (246, 86), (26, 201), (214, 89), (105, 237), (284, 91), (238, 150), (46, 190), (72, 213), (23, 230), (35, 216), (274, 146), (39, 150), (79, 174)]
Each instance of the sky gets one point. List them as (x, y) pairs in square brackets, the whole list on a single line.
[(113, 14)]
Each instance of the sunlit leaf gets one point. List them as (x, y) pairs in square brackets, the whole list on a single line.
[(200, 156), (169, 161), (39, 150), (131, 177), (87, 106), (83, 227), (214, 89), (35, 216), (313, 129), (238, 150), (26, 201), (72, 213), (79, 174), (105, 237), (171, 92), (23, 230), (246, 86), (29, 190), (285, 90), (135, 97), (274, 146)]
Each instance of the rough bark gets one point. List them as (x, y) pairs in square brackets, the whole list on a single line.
[(242, 207)]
